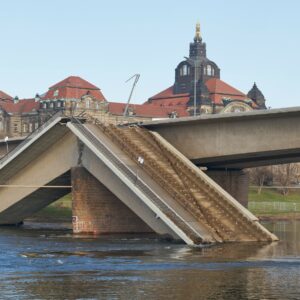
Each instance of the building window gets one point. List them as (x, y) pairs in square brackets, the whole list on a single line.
[(184, 70), (51, 105), (36, 125), (30, 127), (210, 71), (58, 104), (44, 105), (87, 104), (24, 128), (56, 92)]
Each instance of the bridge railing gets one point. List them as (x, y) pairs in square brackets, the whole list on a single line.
[(30, 137)]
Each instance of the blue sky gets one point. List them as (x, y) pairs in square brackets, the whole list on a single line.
[(106, 42)]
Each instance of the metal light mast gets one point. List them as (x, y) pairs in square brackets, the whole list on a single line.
[(136, 79)]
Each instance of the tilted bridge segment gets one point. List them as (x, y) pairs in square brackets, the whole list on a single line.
[(142, 182)]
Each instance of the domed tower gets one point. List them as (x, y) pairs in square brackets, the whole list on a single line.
[(205, 69), (257, 96), (197, 67)]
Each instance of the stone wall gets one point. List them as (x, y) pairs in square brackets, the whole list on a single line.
[(96, 210)]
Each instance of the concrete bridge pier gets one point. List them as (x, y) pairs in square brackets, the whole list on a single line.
[(96, 210), (234, 181)]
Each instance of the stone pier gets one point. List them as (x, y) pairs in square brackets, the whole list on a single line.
[(98, 211), (235, 182)]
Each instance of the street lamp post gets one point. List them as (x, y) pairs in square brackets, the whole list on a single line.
[(6, 142), (195, 63), (136, 79)]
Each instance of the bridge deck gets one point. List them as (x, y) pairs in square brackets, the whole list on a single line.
[(235, 140)]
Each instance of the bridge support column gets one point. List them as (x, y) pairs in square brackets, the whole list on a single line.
[(96, 210), (235, 182)]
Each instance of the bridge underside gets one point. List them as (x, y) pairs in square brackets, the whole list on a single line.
[(250, 160), (36, 201)]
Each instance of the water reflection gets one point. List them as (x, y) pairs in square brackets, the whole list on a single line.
[(54, 265)]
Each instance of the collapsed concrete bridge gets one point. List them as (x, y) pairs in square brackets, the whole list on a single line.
[(123, 179)]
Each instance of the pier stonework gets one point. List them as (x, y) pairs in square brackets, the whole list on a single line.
[(235, 182), (97, 211)]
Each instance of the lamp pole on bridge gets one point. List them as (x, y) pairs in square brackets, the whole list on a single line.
[(6, 142), (196, 63)]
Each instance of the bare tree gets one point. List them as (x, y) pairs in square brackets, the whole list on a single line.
[(285, 175), (261, 176)]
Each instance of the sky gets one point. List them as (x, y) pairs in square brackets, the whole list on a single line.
[(106, 42)]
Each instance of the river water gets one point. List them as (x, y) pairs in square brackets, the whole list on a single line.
[(54, 264)]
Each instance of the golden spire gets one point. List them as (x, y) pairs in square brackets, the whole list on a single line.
[(198, 32)]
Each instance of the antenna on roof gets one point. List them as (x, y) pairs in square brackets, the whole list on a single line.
[(136, 79)]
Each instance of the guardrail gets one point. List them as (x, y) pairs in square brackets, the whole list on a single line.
[(30, 137), (274, 206)]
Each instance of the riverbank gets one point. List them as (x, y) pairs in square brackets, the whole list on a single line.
[(273, 195), (57, 212), (279, 217), (268, 205)]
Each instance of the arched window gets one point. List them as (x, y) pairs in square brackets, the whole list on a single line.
[(184, 70), (24, 127), (209, 70)]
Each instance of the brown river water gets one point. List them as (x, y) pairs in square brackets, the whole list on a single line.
[(54, 264)]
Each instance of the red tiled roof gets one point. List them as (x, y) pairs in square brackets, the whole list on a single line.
[(167, 93), (75, 82), (21, 107), (174, 101), (4, 96), (146, 110), (70, 92), (220, 89), (73, 87)]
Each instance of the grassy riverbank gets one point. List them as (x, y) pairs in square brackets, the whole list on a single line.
[(272, 195), (59, 211), (269, 204)]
